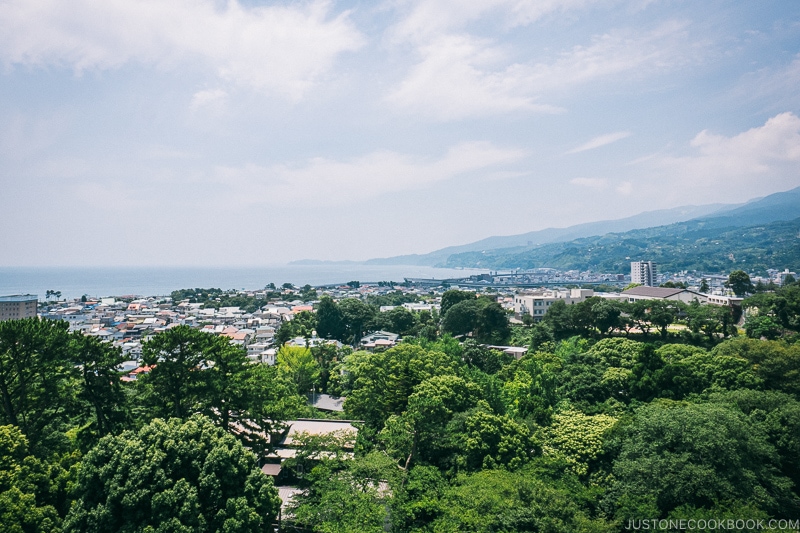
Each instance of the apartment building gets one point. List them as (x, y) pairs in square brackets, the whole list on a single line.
[(644, 273), (537, 303), (18, 306)]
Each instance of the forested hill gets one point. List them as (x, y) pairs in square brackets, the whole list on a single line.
[(694, 245)]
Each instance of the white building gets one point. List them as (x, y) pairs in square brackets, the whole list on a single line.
[(18, 306), (663, 293), (537, 303), (644, 273)]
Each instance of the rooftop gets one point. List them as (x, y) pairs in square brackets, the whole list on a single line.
[(19, 298), (653, 292)]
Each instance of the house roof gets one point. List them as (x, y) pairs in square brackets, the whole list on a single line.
[(286, 494), (653, 292), (271, 470), (318, 427), (326, 402)]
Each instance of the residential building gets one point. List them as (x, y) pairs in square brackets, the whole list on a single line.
[(379, 340), (537, 303), (781, 276), (18, 306), (644, 273)]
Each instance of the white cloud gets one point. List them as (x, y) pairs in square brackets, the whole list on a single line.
[(591, 183), (625, 188), (764, 158), (213, 98), (779, 84), (324, 181), (460, 75), (599, 141), (661, 49), (274, 48), (427, 18)]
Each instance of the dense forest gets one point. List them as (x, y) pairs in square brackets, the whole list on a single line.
[(609, 417), (694, 245)]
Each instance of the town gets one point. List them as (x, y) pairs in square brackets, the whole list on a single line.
[(310, 347), (127, 320)]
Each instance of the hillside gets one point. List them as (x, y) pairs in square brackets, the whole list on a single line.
[(693, 245), (551, 235), (779, 206)]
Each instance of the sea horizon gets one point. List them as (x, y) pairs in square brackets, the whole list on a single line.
[(74, 282)]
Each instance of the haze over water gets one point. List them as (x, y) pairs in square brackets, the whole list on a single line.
[(152, 281)]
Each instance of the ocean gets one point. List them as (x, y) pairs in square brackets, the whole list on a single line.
[(74, 282)]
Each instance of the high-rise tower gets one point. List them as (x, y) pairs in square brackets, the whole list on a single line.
[(644, 273)]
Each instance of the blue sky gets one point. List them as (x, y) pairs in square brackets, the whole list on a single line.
[(204, 132)]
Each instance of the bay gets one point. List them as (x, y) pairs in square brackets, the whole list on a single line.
[(74, 282)]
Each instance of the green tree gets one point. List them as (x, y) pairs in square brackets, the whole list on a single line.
[(419, 431), (484, 359), (606, 315), (303, 324), (100, 387), (348, 496), (298, 365), (221, 397), (783, 306), (711, 320), (559, 318), (461, 317), (195, 372), (330, 323), (578, 438), (759, 326), (452, 297), (175, 384), (482, 316), (674, 454), (23, 507), (329, 356), (35, 368), (356, 317), (269, 401), (401, 320), (500, 501), (640, 315), (739, 282), (383, 381), (308, 293), (704, 287), (775, 363), (662, 314), (187, 476), (542, 337), (778, 415), (491, 326), (530, 393), (480, 439)]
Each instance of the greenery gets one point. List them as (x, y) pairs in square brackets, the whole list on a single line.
[(694, 246), (217, 298), (172, 476), (618, 411), (66, 410)]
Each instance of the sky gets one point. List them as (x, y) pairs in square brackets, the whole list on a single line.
[(247, 133)]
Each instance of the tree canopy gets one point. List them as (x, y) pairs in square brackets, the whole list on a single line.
[(174, 475)]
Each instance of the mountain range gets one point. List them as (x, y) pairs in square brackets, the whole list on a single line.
[(677, 238), (775, 207)]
